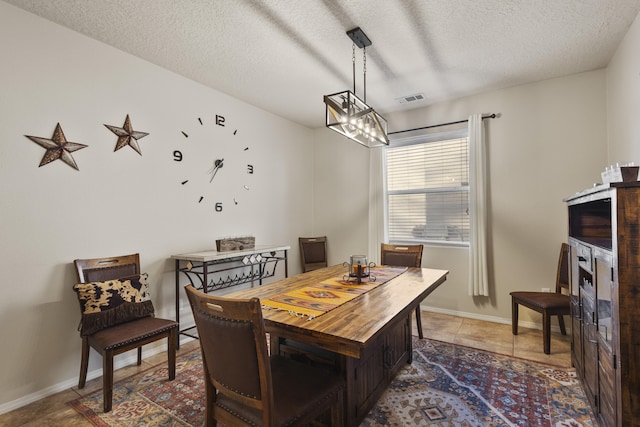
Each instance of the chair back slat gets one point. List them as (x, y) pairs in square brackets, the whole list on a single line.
[(101, 269), (401, 255), (562, 278), (313, 252)]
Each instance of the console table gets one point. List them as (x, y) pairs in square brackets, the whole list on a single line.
[(211, 271)]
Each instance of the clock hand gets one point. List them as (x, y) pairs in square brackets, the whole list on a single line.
[(217, 164)]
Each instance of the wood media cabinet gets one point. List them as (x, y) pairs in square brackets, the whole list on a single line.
[(604, 240)]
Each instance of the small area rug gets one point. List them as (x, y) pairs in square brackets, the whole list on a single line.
[(446, 385)]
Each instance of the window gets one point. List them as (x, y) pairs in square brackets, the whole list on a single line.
[(427, 188)]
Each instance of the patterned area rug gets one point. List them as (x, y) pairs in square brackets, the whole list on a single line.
[(449, 385), (446, 385)]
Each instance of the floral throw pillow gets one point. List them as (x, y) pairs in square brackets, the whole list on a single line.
[(109, 303)]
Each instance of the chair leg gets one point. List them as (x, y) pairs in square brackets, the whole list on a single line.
[(84, 363), (419, 322), (210, 395), (546, 332), (514, 317), (171, 350), (139, 355), (107, 380), (561, 322)]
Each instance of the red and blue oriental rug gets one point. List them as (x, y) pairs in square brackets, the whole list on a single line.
[(446, 385)]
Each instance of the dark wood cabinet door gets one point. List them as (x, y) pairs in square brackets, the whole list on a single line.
[(590, 350), (606, 390)]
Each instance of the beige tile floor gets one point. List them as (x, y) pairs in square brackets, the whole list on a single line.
[(53, 410)]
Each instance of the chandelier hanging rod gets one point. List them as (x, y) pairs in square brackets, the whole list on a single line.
[(360, 39)]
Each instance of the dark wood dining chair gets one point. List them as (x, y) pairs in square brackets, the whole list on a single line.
[(547, 303), (313, 252), (403, 256), (243, 384), (114, 322)]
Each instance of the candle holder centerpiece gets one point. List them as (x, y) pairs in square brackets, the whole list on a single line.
[(359, 269)]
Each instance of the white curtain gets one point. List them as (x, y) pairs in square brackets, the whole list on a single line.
[(478, 276), (376, 203)]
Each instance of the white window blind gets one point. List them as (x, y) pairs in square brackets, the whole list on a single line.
[(427, 188)]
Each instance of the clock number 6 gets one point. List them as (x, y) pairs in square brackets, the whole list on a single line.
[(219, 207)]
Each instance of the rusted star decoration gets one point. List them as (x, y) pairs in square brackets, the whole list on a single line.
[(57, 148), (127, 136)]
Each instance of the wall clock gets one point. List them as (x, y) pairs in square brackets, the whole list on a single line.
[(215, 166)]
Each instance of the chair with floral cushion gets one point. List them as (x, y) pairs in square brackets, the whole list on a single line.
[(117, 315)]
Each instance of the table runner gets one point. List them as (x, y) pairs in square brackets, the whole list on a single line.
[(314, 300)]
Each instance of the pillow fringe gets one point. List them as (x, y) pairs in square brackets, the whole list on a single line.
[(94, 322)]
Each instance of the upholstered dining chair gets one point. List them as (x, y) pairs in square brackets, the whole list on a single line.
[(243, 384), (403, 256), (313, 252), (547, 303), (117, 316)]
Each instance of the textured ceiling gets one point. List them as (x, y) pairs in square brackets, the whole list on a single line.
[(284, 55)]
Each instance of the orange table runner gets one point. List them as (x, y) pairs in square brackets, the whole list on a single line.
[(315, 300)]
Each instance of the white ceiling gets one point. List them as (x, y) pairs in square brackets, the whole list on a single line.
[(284, 55)]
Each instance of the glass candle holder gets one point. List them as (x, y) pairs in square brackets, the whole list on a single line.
[(359, 266)]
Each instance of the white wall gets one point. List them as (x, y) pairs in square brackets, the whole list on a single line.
[(341, 195), (623, 99), (548, 143), (119, 202)]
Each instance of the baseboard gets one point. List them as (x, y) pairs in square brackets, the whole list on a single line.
[(132, 358)]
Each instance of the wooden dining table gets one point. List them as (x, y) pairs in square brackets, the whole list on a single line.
[(367, 340)]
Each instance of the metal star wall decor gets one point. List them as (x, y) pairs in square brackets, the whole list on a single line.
[(57, 148), (127, 136)]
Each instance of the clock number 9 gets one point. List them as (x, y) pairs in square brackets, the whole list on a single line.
[(219, 207), (177, 156)]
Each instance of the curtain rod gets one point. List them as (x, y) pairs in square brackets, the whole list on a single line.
[(490, 116)]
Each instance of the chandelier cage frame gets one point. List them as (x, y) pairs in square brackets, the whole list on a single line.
[(351, 116)]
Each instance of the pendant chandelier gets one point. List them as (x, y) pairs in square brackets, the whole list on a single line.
[(351, 116)]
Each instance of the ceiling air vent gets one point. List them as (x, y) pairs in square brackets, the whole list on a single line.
[(411, 98)]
